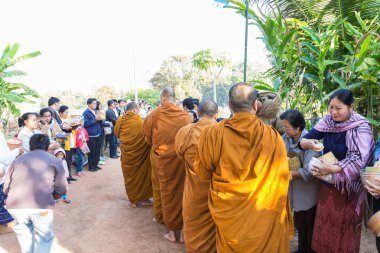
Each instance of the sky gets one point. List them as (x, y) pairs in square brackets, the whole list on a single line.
[(90, 43)]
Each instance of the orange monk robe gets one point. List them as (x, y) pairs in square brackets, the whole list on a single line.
[(160, 129), (198, 225), (135, 157), (157, 205), (249, 187)]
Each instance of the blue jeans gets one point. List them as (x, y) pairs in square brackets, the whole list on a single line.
[(113, 144), (35, 231), (79, 160)]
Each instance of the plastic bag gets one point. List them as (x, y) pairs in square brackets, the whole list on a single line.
[(107, 131), (84, 148)]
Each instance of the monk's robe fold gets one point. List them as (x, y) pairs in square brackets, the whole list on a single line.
[(160, 129), (246, 161), (135, 157), (157, 205), (198, 225)]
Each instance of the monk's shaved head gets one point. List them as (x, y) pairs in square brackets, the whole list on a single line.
[(132, 106), (167, 94), (242, 96), (208, 108)]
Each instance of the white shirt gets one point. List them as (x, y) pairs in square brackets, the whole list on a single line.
[(7, 156), (25, 135), (116, 112)]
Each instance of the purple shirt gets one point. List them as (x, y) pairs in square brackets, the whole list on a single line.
[(32, 179)]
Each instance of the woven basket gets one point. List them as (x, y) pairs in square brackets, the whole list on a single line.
[(374, 224), (294, 162), (14, 143)]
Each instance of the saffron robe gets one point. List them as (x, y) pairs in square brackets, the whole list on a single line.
[(247, 164), (198, 225), (135, 157), (160, 129), (157, 205)]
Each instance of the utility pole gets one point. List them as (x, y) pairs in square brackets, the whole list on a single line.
[(246, 40), (134, 74)]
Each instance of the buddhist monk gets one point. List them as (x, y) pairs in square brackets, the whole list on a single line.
[(135, 156), (198, 225), (160, 129), (247, 164)]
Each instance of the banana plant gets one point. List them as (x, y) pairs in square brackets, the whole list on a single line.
[(12, 93)]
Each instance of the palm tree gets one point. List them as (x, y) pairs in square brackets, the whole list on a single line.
[(323, 11)]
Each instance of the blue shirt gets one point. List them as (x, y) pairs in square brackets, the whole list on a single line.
[(376, 153), (334, 142)]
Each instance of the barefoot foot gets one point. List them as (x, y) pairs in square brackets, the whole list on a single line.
[(182, 237), (170, 236)]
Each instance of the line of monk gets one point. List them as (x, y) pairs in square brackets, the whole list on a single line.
[(217, 187)]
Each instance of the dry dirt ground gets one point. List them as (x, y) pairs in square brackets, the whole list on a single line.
[(99, 219)]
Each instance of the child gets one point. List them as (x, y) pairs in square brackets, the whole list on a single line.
[(81, 137), (61, 155)]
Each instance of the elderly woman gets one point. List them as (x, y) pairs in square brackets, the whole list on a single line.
[(303, 188), (349, 137), (6, 158)]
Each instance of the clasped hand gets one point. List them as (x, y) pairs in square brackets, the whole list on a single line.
[(325, 169)]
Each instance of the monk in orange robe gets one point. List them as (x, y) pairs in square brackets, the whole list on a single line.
[(135, 156), (247, 164), (160, 129), (198, 225)]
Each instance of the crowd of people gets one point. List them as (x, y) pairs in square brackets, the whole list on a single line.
[(73, 140), (240, 184)]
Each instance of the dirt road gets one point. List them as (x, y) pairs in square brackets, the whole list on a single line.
[(99, 219)]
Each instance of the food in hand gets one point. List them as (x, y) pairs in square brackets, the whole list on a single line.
[(314, 165), (318, 147)]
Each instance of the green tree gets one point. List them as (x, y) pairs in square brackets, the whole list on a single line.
[(105, 93), (176, 72), (151, 96), (212, 65), (72, 99)]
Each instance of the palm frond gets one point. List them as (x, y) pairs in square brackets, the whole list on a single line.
[(322, 11)]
